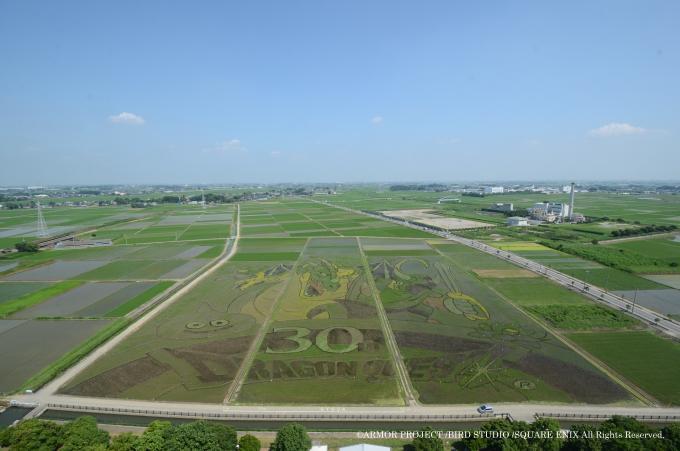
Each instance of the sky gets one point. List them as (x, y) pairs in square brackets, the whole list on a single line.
[(338, 91)]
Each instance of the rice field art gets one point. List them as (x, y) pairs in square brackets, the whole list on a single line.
[(463, 342)]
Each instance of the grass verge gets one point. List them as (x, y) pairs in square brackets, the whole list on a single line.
[(583, 317)]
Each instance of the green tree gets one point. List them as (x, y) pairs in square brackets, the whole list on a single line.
[(249, 443), (428, 440), (156, 436), (83, 433), (26, 247), (546, 435), (204, 436), (582, 437), (126, 441), (498, 443), (292, 437), (4, 437), (620, 424), (36, 435), (671, 435)]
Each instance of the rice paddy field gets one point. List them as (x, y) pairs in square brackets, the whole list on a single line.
[(652, 362), (658, 292), (323, 306), (296, 319), (78, 297)]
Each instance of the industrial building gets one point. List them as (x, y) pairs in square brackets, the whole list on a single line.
[(557, 211), (502, 207), (493, 190), (517, 221), (549, 211)]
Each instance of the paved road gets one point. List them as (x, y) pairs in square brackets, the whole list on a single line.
[(525, 412), (598, 294)]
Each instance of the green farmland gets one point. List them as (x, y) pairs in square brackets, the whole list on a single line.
[(295, 316), (651, 362), (294, 320), (76, 298)]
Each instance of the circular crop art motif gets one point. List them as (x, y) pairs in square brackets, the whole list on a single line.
[(216, 323)]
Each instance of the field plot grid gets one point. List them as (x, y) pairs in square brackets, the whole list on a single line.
[(293, 318)]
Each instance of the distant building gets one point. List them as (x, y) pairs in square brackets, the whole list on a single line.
[(364, 447), (319, 448), (517, 221), (578, 217), (502, 207), (493, 190), (549, 211), (448, 199)]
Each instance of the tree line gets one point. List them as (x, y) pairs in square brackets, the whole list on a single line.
[(83, 433), (643, 230)]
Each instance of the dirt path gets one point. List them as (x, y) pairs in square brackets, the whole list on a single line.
[(390, 340)]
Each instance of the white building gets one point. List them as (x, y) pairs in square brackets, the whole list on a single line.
[(518, 221), (502, 207), (549, 211), (493, 190), (364, 447)]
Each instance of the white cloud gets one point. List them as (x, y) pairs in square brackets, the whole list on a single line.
[(126, 118), (617, 129), (275, 153), (228, 146), (377, 120)]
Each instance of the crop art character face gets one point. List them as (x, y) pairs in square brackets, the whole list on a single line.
[(206, 324)]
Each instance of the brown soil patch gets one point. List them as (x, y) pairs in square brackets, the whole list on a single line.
[(225, 353), (339, 337), (583, 385), (504, 273), (439, 343), (119, 379), (359, 309)]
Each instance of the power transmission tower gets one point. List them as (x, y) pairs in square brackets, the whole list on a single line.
[(42, 225), (203, 198)]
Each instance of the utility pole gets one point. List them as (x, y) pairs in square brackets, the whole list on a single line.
[(634, 300)]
